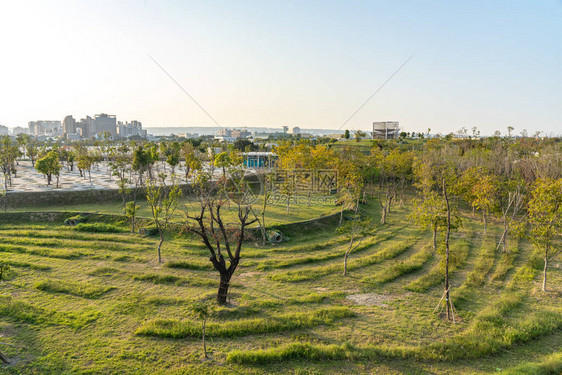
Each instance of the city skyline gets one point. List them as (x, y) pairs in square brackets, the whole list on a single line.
[(270, 64)]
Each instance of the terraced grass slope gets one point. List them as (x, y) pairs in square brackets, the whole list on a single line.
[(99, 303)]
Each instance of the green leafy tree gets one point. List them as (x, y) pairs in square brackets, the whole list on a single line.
[(544, 220), (49, 165)]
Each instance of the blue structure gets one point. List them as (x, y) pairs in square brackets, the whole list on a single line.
[(260, 159)]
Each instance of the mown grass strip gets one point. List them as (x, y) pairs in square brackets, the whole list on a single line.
[(477, 276), (388, 252), (177, 329), (65, 233), (98, 228), (68, 243), (24, 312), (78, 289), (303, 300), (505, 264), (159, 278), (551, 365), (44, 252), (31, 266), (189, 265), (400, 268), (458, 255), (285, 263)]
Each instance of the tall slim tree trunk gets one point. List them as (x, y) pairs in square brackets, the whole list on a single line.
[(485, 222), (204, 344), (544, 272), (434, 239), (383, 218), (345, 264)]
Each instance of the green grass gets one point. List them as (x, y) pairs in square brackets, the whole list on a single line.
[(96, 302)]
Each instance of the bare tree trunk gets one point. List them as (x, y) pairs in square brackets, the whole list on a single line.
[(544, 271), (485, 222), (160, 246), (383, 218), (435, 239), (345, 264), (204, 343), (223, 289)]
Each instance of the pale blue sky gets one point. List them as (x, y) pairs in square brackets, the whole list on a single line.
[(299, 63)]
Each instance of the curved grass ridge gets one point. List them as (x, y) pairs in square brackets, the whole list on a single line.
[(391, 251), (178, 329), (489, 333), (400, 268), (459, 254), (285, 263), (78, 289)]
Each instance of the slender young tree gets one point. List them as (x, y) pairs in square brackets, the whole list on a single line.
[(355, 230), (202, 310), (163, 201), (545, 220)]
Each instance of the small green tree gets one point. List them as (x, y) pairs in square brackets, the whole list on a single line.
[(202, 310), (49, 165), (429, 211), (346, 134), (163, 201), (545, 220)]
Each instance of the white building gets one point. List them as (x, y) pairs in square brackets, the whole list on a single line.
[(386, 130)]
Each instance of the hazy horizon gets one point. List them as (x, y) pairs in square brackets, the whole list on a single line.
[(269, 64)]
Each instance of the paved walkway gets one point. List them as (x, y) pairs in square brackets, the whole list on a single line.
[(28, 179)]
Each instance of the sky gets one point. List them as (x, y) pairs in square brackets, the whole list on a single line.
[(312, 64)]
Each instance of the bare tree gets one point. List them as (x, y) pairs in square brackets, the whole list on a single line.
[(218, 236)]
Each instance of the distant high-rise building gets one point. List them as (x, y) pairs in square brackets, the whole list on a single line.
[(68, 125), (296, 130), (386, 130), (4, 130), (285, 129), (130, 129), (105, 123), (48, 128), (20, 130)]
